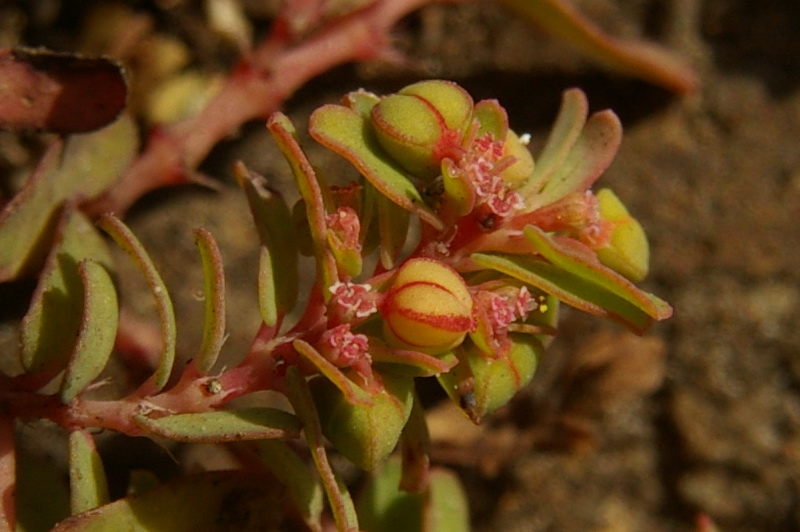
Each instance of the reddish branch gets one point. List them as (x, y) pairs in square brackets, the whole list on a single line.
[(258, 85)]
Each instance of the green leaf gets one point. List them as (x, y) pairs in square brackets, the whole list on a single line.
[(341, 503), (382, 507), (225, 425), (87, 479), (636, 58), (344, 131), (52, 323), (577, 162), (563, 135), (97, 333), (80, 168), (492, 118), (267, 288), (219, 500), (350, 389), (214, 299), (481, 383), (579, 281), (364, 434), (361, 101), (274, 224), (125, 239), (293, 472), (308, 183)]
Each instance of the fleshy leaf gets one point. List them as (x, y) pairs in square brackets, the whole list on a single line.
[(578, 162), (480, 384), (361, 101), (52, 323), (188, 504), (443, 507), (274, 224), (341, 503), (491, 117), (87, 479), (293, 472), (97, 333), (364, 434), (457, 189), (267, 288), (344, 131), (563, 135), (80, 168), (580, 282), (641, 59), (351, 391), (225, 425), (125, 238), (59, 92), (214, 299), (308, 183)]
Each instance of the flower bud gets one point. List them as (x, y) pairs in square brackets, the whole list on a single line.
[(627, 251), (481, 384), (364, 434), (428, 308), (422, 124)]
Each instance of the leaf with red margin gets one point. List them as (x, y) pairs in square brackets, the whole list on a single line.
[(344, 131), (194, 502), (82, 167), (87, 478), (59, 92), (641, 59), (579, 280), (254, 423), (577, 152), (97, 333)]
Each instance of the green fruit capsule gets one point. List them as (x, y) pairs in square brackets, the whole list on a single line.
[(422, 124), (365, 435), (480, 384)]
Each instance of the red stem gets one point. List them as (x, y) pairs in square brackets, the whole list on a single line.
[(257, 87)]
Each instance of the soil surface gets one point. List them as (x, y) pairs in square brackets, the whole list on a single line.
[(702, 416)]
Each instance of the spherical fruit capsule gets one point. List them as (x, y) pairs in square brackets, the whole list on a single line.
[(627, 251), (364, 434), (428, 308), (422, 124), (451, 101)]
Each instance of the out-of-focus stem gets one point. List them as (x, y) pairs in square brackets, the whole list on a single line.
[(257, 86)]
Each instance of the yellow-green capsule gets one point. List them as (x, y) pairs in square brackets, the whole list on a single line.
[(428, 308), (422, 124)]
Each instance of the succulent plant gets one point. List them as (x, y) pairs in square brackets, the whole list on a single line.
[(471, 298)]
